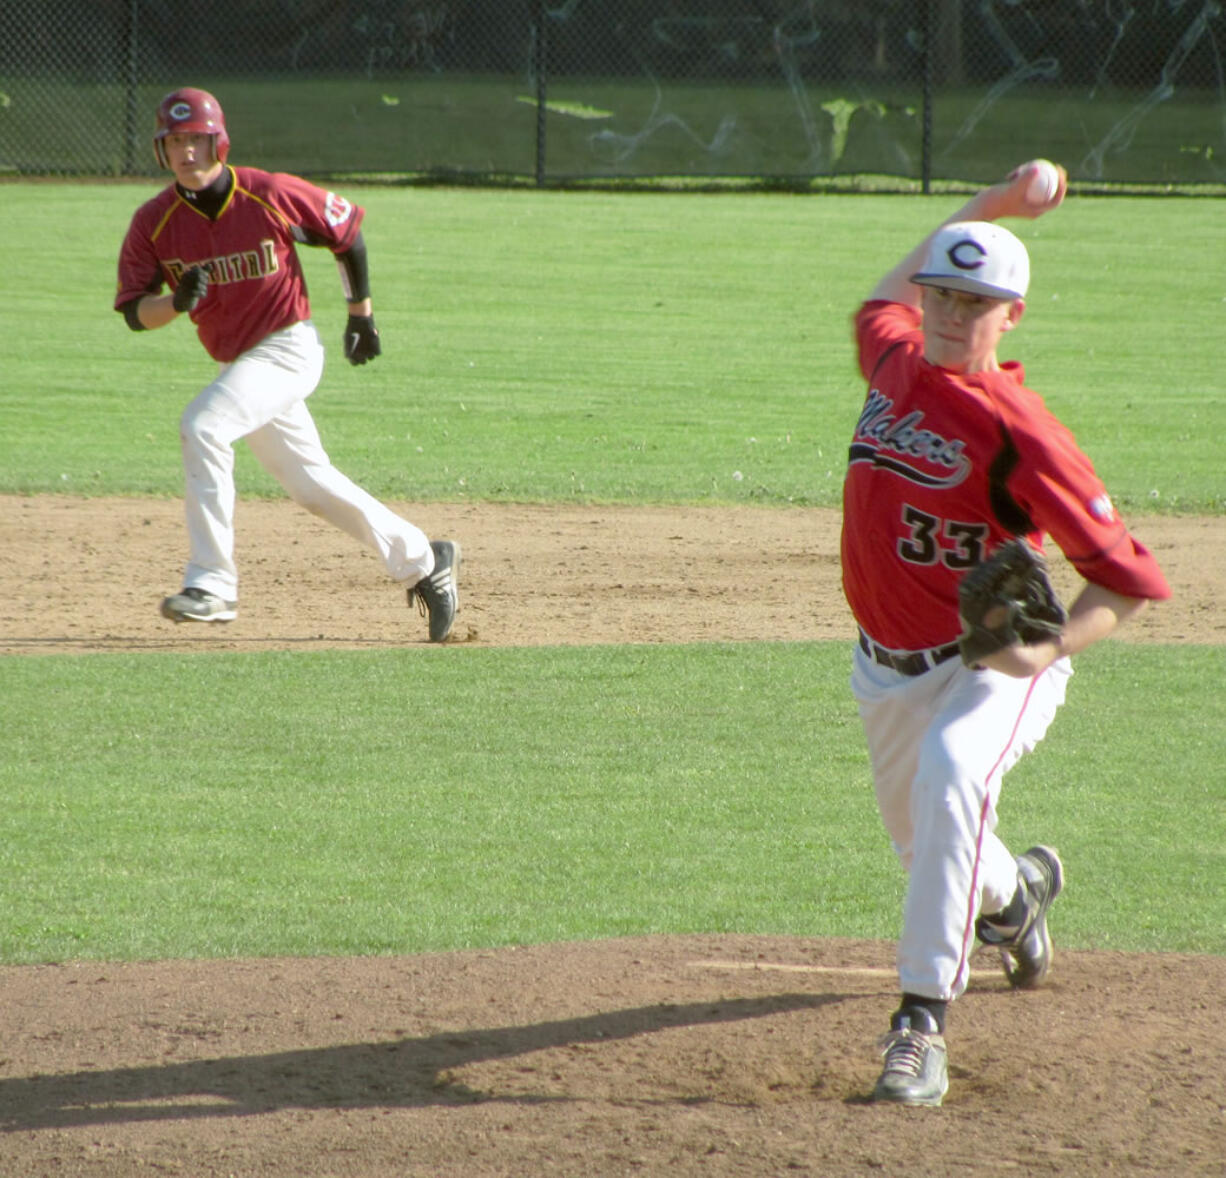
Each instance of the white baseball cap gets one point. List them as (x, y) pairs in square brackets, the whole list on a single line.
[(978, 257)]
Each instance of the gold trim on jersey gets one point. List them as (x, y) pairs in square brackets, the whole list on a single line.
[(260, 200)]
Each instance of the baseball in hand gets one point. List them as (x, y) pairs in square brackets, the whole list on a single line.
[(1044, 184)]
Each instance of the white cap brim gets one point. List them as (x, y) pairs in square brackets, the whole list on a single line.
[(969, 285)]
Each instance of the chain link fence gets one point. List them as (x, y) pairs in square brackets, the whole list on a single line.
[(581, 91)]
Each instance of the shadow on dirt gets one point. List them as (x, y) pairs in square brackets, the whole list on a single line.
[(396, 1073)]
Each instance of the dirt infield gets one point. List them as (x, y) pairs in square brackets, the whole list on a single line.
[(702, 1055), (87, 575)]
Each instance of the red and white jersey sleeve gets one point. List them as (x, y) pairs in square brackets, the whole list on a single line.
[(942, 469), (256, 284)]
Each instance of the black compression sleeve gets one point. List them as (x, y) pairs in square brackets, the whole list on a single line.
[(132, 314), (355, 273)]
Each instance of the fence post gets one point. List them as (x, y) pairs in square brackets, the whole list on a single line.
[(926, 134), (130, 97), (538, 64)]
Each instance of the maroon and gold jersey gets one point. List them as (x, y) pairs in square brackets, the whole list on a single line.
[(943, 469), (256, 285)]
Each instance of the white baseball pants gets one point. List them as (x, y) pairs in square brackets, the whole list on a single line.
[(261, 396), (939, 744)]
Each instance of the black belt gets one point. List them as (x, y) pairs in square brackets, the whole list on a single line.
[(908, 664)]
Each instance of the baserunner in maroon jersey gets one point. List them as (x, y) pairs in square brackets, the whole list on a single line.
[(224, 240), (952, 456)]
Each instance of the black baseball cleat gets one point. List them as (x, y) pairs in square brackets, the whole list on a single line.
[(916, 1068), (438, 594), (198, 605), (1026, 951)]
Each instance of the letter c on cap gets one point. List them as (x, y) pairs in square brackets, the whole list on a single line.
[(957, 254)]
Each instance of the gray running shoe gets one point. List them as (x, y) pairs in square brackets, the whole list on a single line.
[(198, 605), (1027, 951), (916, 1068), (438, 594)]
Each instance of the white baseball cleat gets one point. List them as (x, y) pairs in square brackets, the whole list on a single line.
[(198, 605)]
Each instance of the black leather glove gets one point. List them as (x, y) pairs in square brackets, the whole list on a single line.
[(1006, 600), (191, 289), (361, 339)]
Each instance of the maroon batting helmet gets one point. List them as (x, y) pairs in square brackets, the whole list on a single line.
[(188, 111)]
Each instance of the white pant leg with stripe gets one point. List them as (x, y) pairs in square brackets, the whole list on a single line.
[(261, 396), (939, 745)]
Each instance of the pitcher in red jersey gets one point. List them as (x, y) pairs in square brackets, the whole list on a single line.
[(953, 455), (224, 240)]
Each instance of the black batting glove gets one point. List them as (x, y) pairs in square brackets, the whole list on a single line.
[(191, 289), (361, 339)]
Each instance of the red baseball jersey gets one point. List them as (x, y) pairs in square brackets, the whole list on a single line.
[(256, 284), (943, 469)]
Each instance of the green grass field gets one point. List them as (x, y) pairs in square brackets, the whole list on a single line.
[(585, 347), (592, 346), (224, 805)]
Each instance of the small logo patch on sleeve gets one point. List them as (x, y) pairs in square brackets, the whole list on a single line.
[(337, 210), (1101, 508)]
